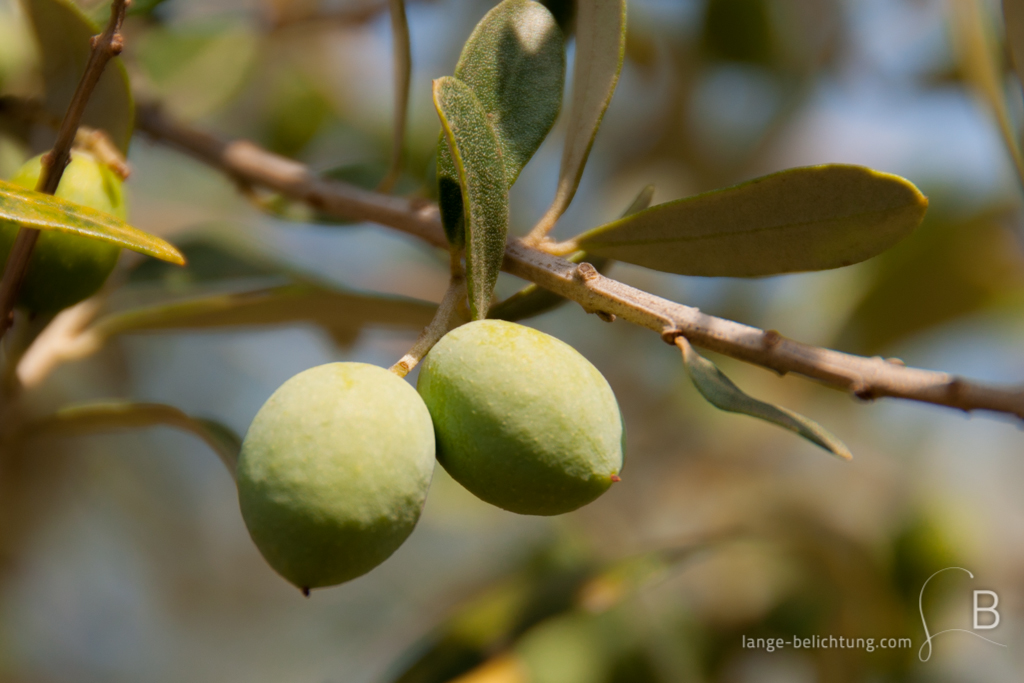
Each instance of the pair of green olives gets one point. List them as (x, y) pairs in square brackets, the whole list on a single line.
[(335, 468), (66, 268)]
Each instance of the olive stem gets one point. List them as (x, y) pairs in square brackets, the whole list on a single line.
[(105, 47), (865, 378), (446, 318)]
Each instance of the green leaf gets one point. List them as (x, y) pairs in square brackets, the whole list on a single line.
[(514, 62), (600, 48), (812, 218), (64, 33), (45, 212), (476, 152), (106, 416), (342, 314), (720, 392), (532, 300)]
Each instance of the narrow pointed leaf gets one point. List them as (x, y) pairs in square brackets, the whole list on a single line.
[(514, 62), (46, 212), (600, 48), (532, 300), (812, 218), (64, 33), (342, 314), (980, 58), (720, 392), (107, 416), (476, 152)]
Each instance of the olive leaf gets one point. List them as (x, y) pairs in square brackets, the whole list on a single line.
[(514, 62), (106, 416), (64, 33), (600, 48), (476, 151), (342, 314), (981, 58), (811, 218), (720, 392), (532, 300), (45, 212)]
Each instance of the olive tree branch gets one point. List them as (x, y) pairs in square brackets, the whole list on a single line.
[(403, 75), (105, 47), (865, 378)]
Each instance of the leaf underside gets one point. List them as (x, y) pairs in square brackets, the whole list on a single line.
[(720, 392), (45, 212), (476, 152), (514, 62), (802, 219)]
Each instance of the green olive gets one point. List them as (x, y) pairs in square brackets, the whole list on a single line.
[(334, 472), (66, 268), (522, 419)]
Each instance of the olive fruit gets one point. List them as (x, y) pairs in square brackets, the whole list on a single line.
[(522, 419), (67, 268), (334, 471)]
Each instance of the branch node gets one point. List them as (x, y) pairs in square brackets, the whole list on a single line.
[(586, 272), (896, 361), (771, 338), (605, 316), (863, 391), (670, 334)]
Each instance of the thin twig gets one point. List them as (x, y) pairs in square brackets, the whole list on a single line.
[(866, 378), (403, 77), (105, 47)]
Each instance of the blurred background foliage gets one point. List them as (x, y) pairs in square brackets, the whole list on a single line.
[(124, 557)]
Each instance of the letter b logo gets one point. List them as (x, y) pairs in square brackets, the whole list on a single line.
[(990, 608)]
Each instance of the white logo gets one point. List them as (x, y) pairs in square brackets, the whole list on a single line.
[(978, 609)]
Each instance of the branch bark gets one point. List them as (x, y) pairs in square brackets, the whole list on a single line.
[(865, 378), (105, 47)]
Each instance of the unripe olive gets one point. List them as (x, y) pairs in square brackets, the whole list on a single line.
[(334, 472), (67, 268), (522, 419)]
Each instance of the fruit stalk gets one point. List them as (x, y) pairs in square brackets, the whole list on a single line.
[(444, 320), (105, 47)]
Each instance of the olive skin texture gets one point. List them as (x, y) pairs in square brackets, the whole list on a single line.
[(66, 268), (522, 419), (334, 472)]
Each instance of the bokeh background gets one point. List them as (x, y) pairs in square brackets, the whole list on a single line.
[(124, 557)]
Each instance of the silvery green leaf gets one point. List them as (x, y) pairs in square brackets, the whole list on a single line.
[(803, 219), (720, 392), (514, 62), (600, 49), (476, 152)]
